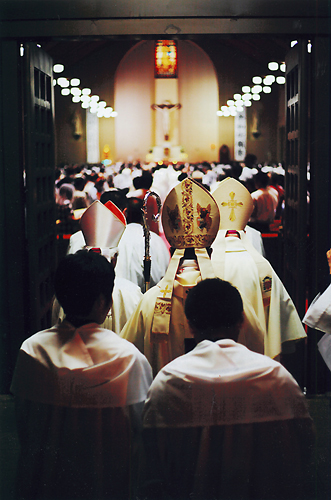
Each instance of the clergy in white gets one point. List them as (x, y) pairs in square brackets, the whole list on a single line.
[(102, 229), (131, 249), (158, 327), (236, 260)]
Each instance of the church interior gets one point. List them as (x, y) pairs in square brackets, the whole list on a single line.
[(112, 52)]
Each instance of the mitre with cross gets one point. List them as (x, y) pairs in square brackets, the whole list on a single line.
[(190, 219), (235, 204)]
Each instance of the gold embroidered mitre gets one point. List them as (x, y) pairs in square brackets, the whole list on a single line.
[(102, 225), (190, 219), (235, 204), (190, 216)]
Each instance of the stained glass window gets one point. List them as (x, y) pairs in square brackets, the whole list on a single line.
[(165, 59)]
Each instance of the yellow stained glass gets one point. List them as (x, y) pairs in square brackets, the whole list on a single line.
[(165, 59)]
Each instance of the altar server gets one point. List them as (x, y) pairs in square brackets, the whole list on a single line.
[(79, 391), (223, 422)]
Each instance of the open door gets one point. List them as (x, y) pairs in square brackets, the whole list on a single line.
[(297, 130), (295, 220), (39, 165)]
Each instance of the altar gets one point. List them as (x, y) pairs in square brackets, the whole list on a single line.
[(166, 146), (166, 153)]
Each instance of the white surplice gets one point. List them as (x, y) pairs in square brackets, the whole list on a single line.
[(223, 422), (78, 395), (318, 314)]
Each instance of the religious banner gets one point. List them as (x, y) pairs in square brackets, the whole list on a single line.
[(92, 137), (165, 59), (240, 131)]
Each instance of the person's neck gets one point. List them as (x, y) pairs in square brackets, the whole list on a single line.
[(77, 321)]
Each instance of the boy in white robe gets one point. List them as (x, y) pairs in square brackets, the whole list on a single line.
[(223, 422), (79, 391)]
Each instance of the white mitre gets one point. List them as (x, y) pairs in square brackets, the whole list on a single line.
[(103, 226), (234, 203)]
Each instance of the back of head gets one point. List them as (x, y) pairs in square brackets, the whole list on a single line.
[(146, 180), (79, 183), (66, 191), (80, 279), (236, 170), (116, 196), (214, 309), (250, 160), (261, 180), (134, 212)]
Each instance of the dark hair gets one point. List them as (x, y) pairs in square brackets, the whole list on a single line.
[(134, 212), (116, 196), (80, 279), (250, 160), (182, 176), (213, 305), (261, 179), (79, 183), (143, 181), (236, 170), (66, 191)]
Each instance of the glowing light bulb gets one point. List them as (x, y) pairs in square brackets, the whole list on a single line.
[(273, 66), (74, 82), (58, 68), (257, 80)]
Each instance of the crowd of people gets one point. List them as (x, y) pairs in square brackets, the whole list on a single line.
[(166, 385), (77, 186)]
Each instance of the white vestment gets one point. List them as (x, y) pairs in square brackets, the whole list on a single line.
[(255, 237), (126, 297), (130, 261), (223, 422), (234, 260), (318, 314), (78, 394), (159, 353)]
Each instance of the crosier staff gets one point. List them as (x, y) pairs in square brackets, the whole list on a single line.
[(147, 258)]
